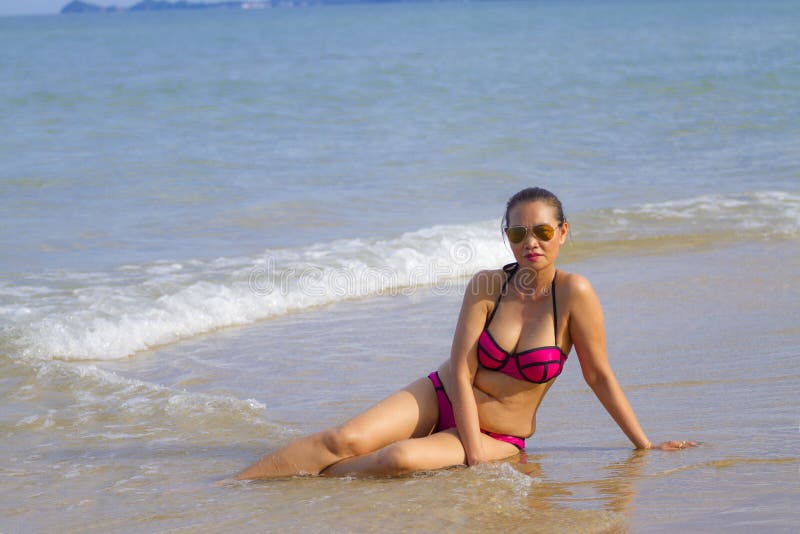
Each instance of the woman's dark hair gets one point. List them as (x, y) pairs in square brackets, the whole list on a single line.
[(531, 194)]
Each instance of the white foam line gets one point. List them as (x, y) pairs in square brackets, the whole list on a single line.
[(139, 396), (110, 319)]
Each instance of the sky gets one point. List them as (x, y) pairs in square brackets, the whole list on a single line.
[(45, 7)]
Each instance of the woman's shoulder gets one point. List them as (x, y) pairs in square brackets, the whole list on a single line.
[(488, 283), (575, 287)]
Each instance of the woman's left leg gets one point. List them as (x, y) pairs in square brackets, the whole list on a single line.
[(439, 450), (410, 412)]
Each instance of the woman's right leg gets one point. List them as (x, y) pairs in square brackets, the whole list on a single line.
[(411, 412)]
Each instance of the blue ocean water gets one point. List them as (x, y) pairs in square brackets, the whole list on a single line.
[(159, 136), (341, 171)]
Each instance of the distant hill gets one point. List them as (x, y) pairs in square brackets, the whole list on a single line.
[(84, 7)]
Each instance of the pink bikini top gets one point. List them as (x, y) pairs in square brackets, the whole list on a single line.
[(538, 365)]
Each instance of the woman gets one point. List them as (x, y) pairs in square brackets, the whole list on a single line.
[(480, 403)]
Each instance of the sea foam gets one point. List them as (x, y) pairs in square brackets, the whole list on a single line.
[(136, 307)]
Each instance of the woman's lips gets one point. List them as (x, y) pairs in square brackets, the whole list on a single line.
[(532, 257)]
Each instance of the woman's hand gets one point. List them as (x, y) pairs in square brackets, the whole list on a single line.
[(674, 445), (477, 456)]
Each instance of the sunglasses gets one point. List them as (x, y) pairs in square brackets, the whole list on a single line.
[(542, 232)]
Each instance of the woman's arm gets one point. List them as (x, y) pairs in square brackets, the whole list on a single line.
[(588, 335), (464, 364)]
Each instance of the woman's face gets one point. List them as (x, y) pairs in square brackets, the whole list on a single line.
[(536, 252)]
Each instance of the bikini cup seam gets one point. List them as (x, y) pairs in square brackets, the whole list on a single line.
[(486, 352)]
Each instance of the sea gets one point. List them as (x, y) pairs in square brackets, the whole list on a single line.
[(221, 230)]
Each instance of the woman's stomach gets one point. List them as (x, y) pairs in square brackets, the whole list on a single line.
[(505, 405)]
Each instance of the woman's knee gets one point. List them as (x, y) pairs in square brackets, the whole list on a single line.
[(399, 459), (344, 441)]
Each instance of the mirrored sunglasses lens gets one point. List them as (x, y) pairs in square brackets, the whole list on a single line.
[(515, 233), (544, 232)]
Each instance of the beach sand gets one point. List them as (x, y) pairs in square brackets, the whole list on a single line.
[(703, 342)]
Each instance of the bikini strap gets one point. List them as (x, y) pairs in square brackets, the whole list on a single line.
[(509, 269), (555, 311)]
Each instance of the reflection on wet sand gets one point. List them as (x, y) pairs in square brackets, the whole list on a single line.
[(612, 495), (604, 503)]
